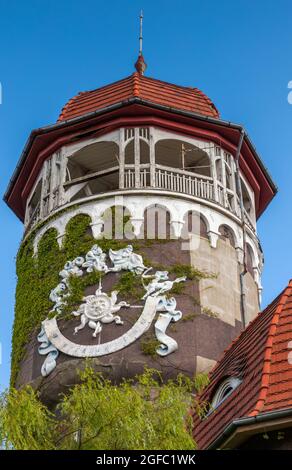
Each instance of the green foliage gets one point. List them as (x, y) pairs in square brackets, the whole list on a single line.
[(78, 237), (37, 276), (129, 286), (189, 317), (149, 345), (96, 414), (190, 272), (117, 223), (25, 423), (208, 311)]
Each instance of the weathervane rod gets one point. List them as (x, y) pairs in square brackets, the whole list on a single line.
[(141, 33)]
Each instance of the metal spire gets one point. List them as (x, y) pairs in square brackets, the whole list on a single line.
[(141, 65), (141, 33)]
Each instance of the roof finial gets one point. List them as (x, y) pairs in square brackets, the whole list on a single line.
[(141, 33), (141, 65)]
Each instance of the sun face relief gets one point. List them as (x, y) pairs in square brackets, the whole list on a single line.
[(97, 309), (100, 308)]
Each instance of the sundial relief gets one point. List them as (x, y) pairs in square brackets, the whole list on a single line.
[(101, 307)]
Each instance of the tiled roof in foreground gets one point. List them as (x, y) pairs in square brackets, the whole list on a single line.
[(139, 86), (260, 357)]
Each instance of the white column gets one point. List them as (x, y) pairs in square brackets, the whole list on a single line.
[(176, 226), (236, 202), (122, 159), (137, 157), (224, 178), (213, 238), (96, 227), (211, 153), (43, 174), (152, 158), (52, 181), (64, 161)]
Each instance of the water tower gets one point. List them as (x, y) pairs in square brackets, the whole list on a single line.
[(156, 158)]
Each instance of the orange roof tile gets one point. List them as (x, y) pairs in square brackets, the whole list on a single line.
[(148, 89), (259, 356)]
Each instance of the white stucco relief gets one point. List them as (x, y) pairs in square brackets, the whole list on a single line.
[(100, 308)]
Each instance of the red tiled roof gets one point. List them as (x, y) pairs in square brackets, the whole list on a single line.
[(137, 85), (259, 356)]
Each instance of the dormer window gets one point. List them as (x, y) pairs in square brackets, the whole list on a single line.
[(224, 390)]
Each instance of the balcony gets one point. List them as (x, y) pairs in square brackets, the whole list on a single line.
[(139, 159)]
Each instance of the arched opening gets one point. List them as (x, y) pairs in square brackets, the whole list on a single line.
[(182, 155), (145, 162), (223, 391), (195, 224), (249, 259), (33, 206), (227, 235), (95, 157), (48, 243), (93, 169), (144, 152), (219, 173), (247, 202), (229, 171), (129, 153), (77, 231), (157, 223), (116, 223)]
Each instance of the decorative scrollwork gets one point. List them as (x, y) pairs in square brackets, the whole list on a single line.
[(46, 348), (101, 308)]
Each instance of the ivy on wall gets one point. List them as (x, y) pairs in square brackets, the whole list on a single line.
[(38, 275)]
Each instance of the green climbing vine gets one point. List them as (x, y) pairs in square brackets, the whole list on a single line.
[(38, 275)]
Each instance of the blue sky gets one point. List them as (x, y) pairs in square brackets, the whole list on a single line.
[(237, 52)]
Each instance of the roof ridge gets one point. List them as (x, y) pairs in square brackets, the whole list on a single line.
[(268, 351), (189, 88), (136, 83)]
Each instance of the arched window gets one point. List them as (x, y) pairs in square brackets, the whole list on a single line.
[(224, 390), (227, 234), (219, 173), (129, 153), (229, 171), (225, 175), (157, 223), (92, 158), (144, 152), (249, 259), (247, 202), (194, 223), (33, 206), (91, 170), (117, 225)]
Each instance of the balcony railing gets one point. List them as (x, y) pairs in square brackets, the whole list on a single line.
[(178, 181), (162, 177)]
